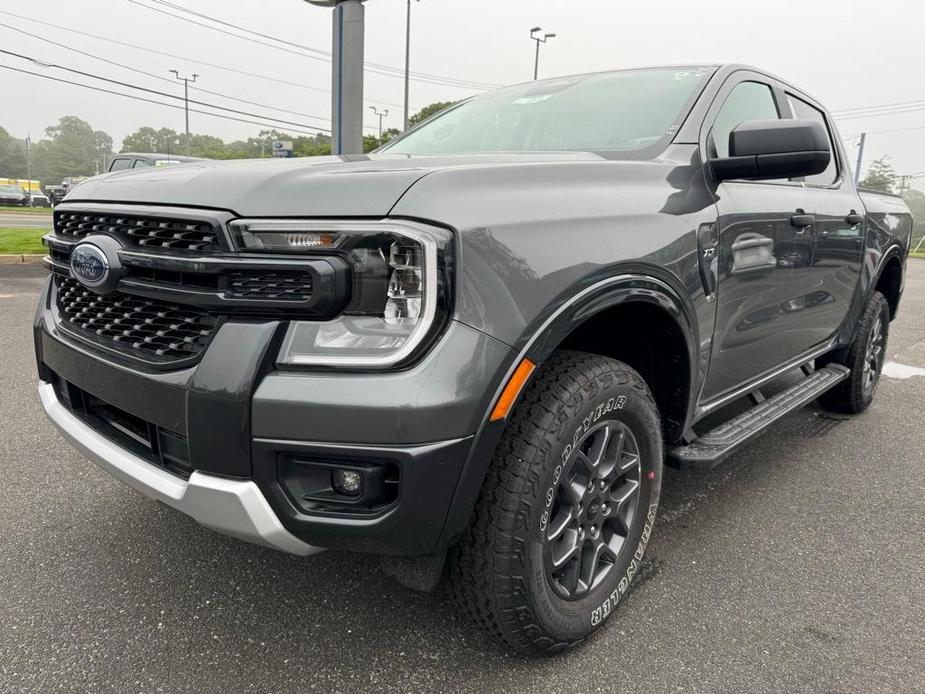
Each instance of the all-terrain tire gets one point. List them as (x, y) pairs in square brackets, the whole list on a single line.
[(855, 393), (497, 571)]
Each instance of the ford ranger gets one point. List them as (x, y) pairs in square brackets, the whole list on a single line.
[(472, 351)]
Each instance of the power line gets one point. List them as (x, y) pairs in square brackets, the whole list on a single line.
[(312, 53), (156, 92), (316, 53), (158, 77), (917, 103), (146, 49), (895, 130), (882, 112), (153, 101)]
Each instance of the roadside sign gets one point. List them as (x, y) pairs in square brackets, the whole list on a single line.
[(282, 148)]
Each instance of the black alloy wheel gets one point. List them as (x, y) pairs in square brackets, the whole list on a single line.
[(594, 506)]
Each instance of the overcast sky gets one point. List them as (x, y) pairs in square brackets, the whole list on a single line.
[(847, 53)]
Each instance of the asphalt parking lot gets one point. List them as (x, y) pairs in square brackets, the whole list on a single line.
[(797, 566)]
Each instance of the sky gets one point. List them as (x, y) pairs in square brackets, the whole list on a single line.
[(847, 53)]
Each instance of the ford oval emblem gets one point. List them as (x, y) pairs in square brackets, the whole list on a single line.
[(89, 265)]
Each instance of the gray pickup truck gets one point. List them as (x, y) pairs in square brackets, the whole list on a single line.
[(473, 351)]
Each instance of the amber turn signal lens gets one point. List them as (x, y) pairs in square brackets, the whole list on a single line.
[(512, 390)]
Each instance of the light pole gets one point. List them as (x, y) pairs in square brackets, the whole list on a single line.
[(407, 59), (186, 81), (381, 115), (348, 29), (539, 40), (29, 167)]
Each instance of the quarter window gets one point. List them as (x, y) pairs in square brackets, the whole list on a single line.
[(801, 109)]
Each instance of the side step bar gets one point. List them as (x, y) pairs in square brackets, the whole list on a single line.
[(711, 448)]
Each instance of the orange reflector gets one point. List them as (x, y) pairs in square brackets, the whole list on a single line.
[(512, 390)]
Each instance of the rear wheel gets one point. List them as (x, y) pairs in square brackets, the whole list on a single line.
[(865, 358), (567, 509)]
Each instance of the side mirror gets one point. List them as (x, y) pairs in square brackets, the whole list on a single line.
[(763, 149)]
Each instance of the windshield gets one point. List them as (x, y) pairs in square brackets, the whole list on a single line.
[(11, 189), (609, 112)]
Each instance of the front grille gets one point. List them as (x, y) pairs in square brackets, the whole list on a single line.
[(178, 280), (278, 285), (144, 231), (146, 328), (163, 447)]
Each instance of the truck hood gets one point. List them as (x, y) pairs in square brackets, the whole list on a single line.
[(334, 186)]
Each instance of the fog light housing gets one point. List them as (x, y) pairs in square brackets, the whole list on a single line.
[(350, 487), (347, 482)]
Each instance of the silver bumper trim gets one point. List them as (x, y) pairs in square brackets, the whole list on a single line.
[(233, 507)]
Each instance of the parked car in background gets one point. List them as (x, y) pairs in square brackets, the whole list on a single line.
[(12, 194), (141, 160), (37, 198), (480, 345)]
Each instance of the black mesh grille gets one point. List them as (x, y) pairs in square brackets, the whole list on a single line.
[(145, 231), (150, 329), (276, 285)]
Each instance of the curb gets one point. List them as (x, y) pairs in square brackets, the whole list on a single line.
[(19, 258)]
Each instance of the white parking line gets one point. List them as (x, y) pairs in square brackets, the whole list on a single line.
[(893, 369)]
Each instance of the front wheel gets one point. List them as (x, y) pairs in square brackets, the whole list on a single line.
[(567, 509), (865, 358)]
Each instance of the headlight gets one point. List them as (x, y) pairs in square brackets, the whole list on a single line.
[(398, 292)]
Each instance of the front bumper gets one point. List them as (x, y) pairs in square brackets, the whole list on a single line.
[(234, 507), (241, 419)]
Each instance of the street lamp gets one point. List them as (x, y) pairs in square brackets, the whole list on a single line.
[(381, 115), (539, 40), (407, 59), (186, 81)]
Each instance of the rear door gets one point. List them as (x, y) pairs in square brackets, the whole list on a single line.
[(838, 232), (764, 250)]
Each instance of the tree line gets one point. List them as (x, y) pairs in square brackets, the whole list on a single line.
[(883, 177), (73, 148)]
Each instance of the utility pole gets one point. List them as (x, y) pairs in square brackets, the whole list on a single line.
[(407, 59), (29, 167), (349, 20), (539, 40), (381, 114), (186, 81), (904, 179), (857, 168)]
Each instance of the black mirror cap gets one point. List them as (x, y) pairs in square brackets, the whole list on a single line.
[(758, 137), (768, 149)]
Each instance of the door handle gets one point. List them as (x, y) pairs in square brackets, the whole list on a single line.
[(803, 220), (752, 242), (854, 218)]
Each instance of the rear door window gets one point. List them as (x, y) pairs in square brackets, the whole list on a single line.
[(120, 164), (803, 110)]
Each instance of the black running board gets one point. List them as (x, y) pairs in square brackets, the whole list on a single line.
[(715, 445)]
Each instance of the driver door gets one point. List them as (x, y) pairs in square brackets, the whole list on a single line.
[(764, 252)]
